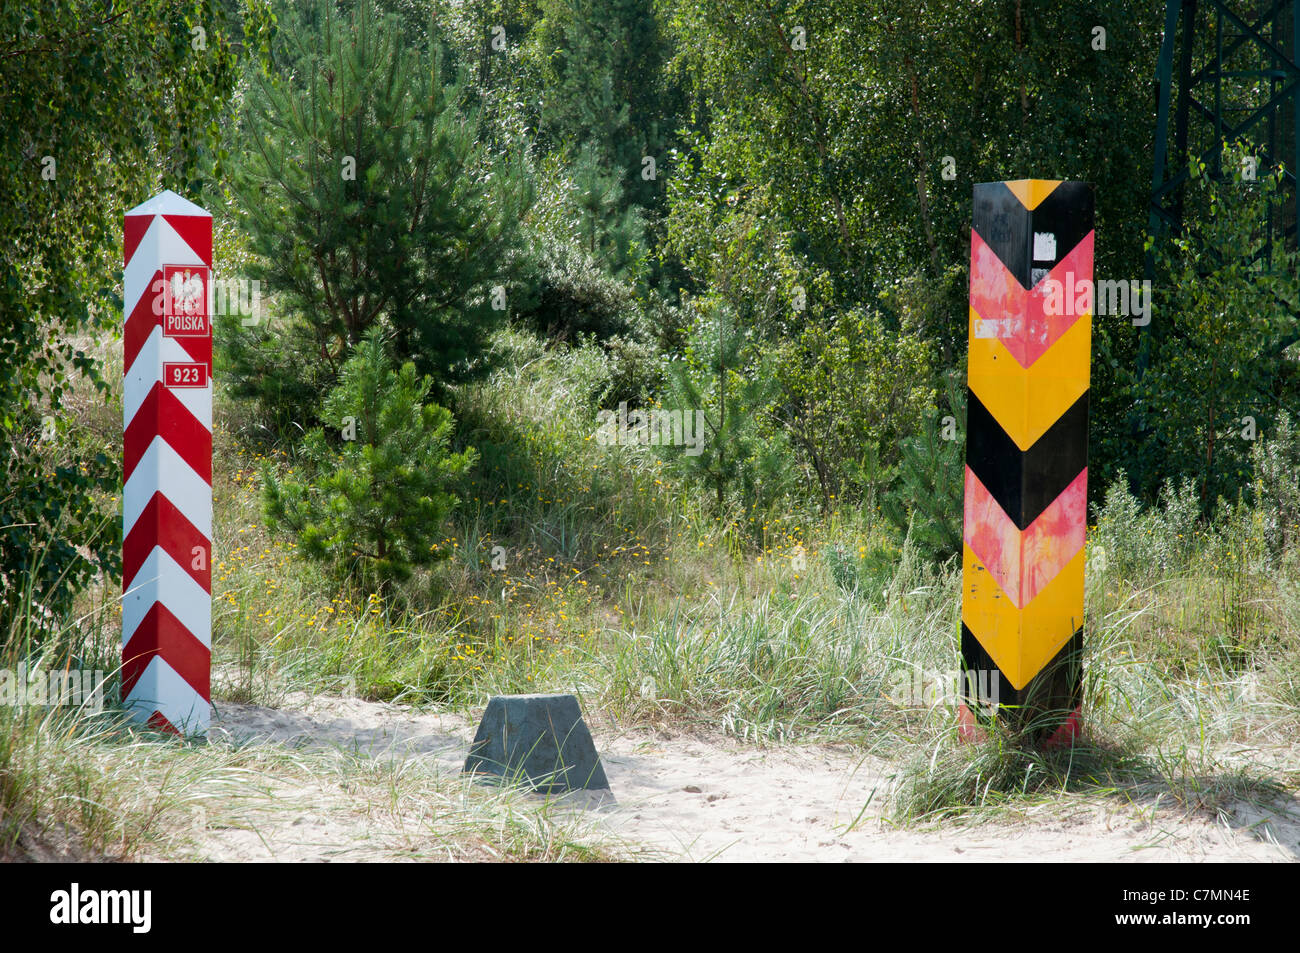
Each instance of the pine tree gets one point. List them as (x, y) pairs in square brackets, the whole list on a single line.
[(367, 197), (611, 233), (927, 501), (603, 68), (372, 509), (732, 387)]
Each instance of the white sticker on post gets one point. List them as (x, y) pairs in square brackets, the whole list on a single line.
[(1044, 246)]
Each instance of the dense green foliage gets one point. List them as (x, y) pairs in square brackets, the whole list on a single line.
[(367, 197), (727, 386), (1219, 363), (87, 134), (756, 212), (925, 502)]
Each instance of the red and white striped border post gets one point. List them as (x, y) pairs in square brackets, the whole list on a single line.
[(167, 493)]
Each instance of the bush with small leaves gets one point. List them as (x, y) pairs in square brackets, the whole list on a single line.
[(743, 460), (1139, 541), (1276, 462)]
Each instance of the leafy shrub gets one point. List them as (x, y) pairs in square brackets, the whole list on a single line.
[(569, 294), (635, 368), (1223, 319), (849, 391), (1138, 541), (1276, 462), (866, 573), (56, 533), (925, 503)]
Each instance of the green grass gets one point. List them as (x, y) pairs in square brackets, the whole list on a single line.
[(97, 789), (621, 586)]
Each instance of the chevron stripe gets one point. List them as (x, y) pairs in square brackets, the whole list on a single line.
[(134, 228), (161, 634), (160, 245), (160, 579), (1057, 692), (163, 414), (159, 721), (161, 466), (1031, 192), (161, 691), (1006, 225), (1024, 520), (1018, 318), (1026, 402), (191, 224), (196, 232), (1023, 563), (162, 525), (1026, 482), (1021, 640), (142, 375)]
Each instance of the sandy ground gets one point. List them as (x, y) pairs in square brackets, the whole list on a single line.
[(686, 797)]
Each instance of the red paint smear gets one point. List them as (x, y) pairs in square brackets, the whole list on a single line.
[(969, 729), (1022, 564), (1067, 734), (992, 536), (1053, 539), (1019, 317)]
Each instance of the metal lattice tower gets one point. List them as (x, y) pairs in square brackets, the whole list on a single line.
[(1236, 78)]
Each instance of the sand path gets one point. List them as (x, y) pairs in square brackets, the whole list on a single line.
[(692, 797)]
